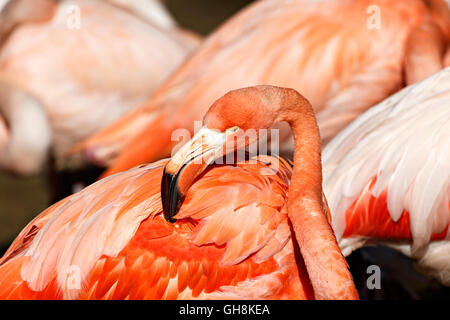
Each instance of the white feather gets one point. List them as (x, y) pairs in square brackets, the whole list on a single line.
[(405, 143)]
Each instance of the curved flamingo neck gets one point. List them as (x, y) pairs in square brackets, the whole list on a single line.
[(4, 134), (324, 261), (24, 120)]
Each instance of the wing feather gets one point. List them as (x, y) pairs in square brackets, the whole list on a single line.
[(284, 43), (113, 236), (399, 149)]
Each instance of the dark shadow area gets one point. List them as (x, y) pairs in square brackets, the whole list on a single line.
[(203, 16), (399, 279), (66, 182)]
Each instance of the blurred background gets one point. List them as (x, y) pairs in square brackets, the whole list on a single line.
[(23, 198)]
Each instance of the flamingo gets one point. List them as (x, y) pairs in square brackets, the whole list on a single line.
[(387, 176), (186, 229), (324, 49), (77, 76)]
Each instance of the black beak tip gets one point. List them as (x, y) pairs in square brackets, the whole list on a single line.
[(171, 197)]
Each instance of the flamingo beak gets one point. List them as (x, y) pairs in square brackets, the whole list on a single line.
[(187, 164)]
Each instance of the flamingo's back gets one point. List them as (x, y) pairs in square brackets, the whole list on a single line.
[(323, 49)]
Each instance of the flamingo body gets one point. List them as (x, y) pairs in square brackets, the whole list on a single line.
[(231, 241), (324, 49), (81, 73), (386, 176)]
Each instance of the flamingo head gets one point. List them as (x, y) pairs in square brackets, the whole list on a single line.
[(225, 129)]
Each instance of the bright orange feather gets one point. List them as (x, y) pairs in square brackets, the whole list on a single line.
[(244, 250)]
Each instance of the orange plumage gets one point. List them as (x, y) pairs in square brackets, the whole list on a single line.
[(232, 240), (324, 49)]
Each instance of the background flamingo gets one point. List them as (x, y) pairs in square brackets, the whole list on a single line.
[(84, 78), (231, 238), (387, 175), (325, 49)]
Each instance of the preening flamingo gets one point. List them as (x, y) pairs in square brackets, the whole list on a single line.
[(84, 78), (231, 237), (387, 176), (327, 50)]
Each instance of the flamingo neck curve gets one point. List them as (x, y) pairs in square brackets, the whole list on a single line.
[(326, 266)]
